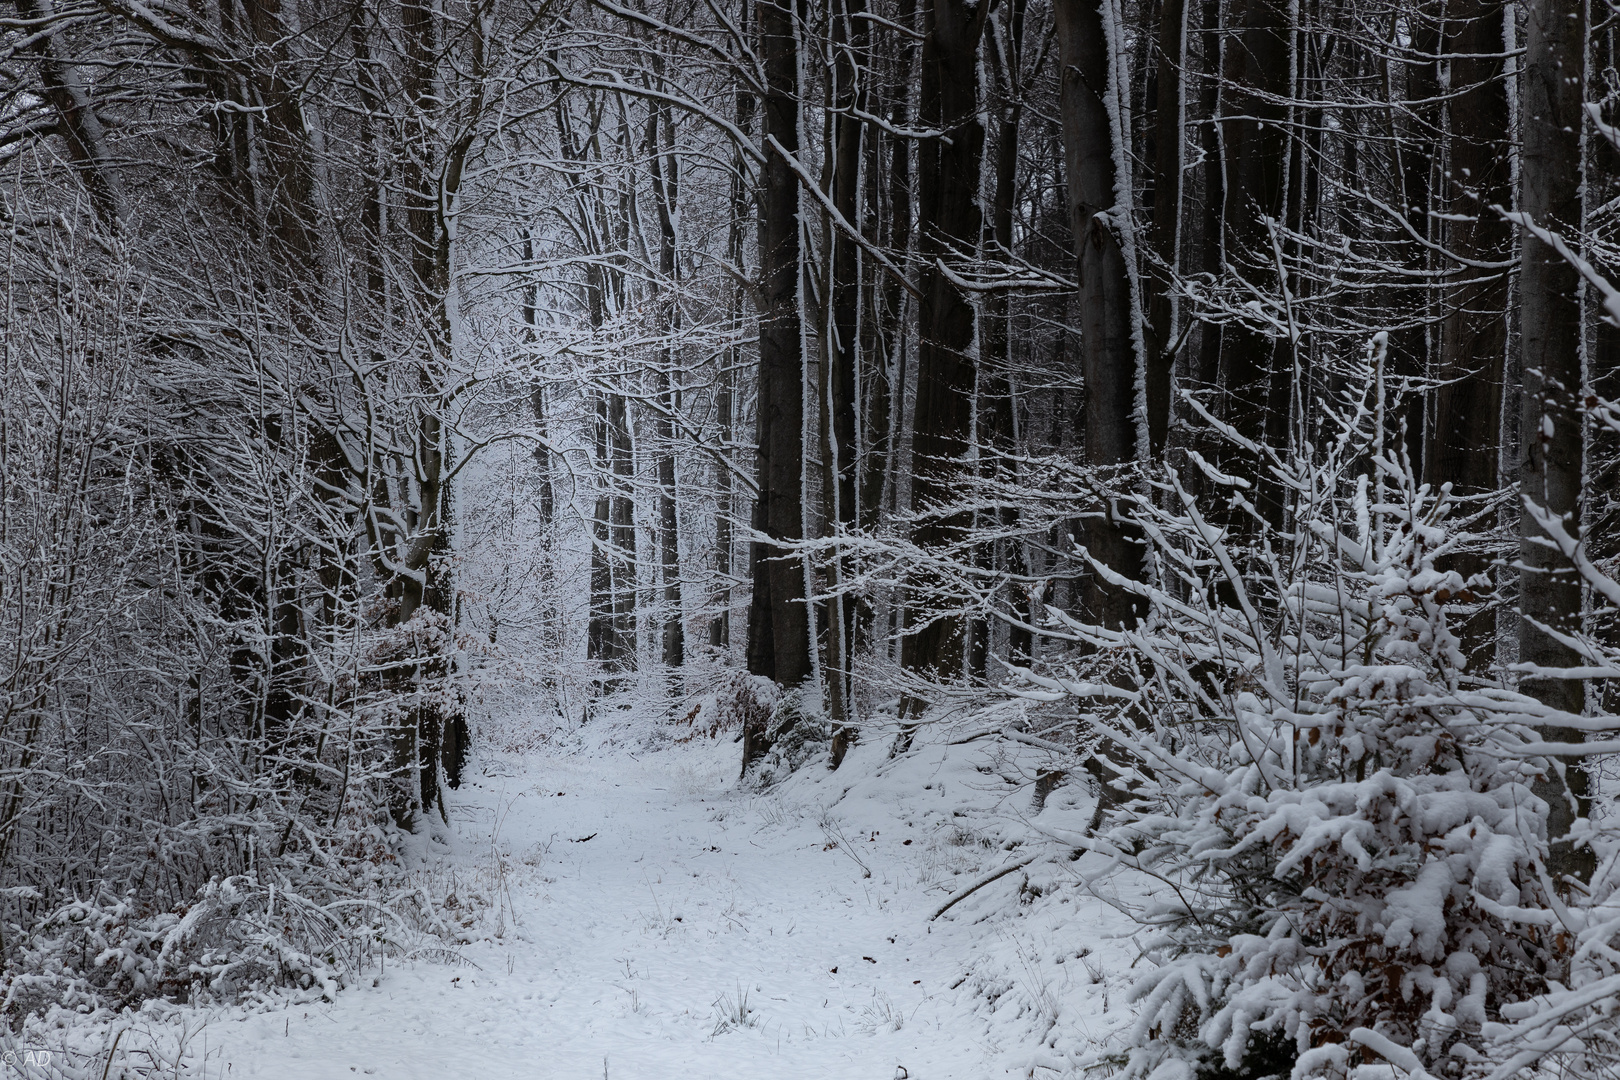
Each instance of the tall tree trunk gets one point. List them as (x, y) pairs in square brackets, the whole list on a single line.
[(610, 642), (666, 193), (1412, 93), (779, 624), (1601, 188), (542, 452), (887, 365), (1463, 447), (601, 637), (720, 627), (624, 555), (547, 503), (426, 582), (1109, 364), (1212, 220), (1254, 139), (1166, 153), (997, 400), (77, 121), (455, 746), (724, 407), (841, 356), (949, 224), (1551, 458)]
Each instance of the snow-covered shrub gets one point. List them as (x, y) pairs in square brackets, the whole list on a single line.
[(781, 730), (1340, 814), (740, 702), (241, 942), (158, 1043), (232, 942), (798, 730), (748, 700)]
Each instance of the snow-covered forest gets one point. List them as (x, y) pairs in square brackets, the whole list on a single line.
[(1117, 502)]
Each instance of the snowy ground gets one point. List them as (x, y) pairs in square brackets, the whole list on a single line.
[(647, 918)]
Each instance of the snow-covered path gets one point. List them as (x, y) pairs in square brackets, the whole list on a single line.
[(651, 899)]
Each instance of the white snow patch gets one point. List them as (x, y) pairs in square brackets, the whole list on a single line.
[(639, 913)]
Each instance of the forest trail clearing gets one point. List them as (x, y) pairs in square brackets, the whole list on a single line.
[(650, 896)]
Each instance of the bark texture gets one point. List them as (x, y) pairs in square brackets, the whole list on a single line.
[(1109, 364), (1551, 438), (779, 624), (949, 223)]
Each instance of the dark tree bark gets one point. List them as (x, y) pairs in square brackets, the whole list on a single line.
[(1212, 217), (1552, 452), (949, 224), (892, 194), (604, 644), (623, 556), (841, 356), (1602, 508), (77, 121), (457, 736), (1165, 152), (779, 624), (426, 583), (1109, 364), (1415, 84), (1463, 446), (1254, 140), (720, 625), (666, 193), (997, 400), (726, 406), (537, 401), (547, 507)]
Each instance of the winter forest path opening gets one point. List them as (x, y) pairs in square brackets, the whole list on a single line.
[(668, 925)]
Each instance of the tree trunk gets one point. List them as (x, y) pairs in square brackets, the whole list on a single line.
[(1413, 88), (779, 627), (1166, 154), (1601, 188), (1212, 223), (997, 400), (1109, 364), (666, 193), (725, 405), (425, 582), (602, 643), (887, 356), (542, 452), (1551, 457), (1254, 143), (949, 223), (841, 354), (78, 123), (624, 556), (608, 642), (1463, 444), (720, 627)]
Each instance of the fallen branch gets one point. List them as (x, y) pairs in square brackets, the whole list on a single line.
[(981, 883)]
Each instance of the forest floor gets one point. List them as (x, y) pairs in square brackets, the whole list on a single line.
[(633, 912)]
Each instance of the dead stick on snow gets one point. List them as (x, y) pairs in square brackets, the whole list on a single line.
[(981, 883)]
